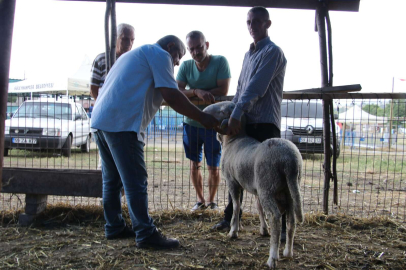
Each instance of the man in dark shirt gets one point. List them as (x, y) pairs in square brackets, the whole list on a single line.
[(259, 92)]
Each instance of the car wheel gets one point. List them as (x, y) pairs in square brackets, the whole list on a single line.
[(5, 152), (85, 148), (66, 148)]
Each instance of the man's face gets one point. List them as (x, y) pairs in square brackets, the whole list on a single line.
[(125, 41), (176, 54), (257, 25), (197, 49)]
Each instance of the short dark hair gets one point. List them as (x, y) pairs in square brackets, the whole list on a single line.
[(171, 38), (261, 10), (196, 34)]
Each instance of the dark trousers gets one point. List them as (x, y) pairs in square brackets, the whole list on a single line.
[(260, 132)]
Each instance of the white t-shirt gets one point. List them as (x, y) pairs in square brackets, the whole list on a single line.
[(130, 98)]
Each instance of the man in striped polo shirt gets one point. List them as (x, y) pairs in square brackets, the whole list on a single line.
[(259, 93), (125, 40), (98, 73)]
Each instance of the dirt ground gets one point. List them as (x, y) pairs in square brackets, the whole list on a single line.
[(72, 238)]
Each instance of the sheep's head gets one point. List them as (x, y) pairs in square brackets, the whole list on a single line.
[(222, 112)]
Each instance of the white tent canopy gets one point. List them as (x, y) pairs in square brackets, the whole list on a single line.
[(77, 84), (356, 115)]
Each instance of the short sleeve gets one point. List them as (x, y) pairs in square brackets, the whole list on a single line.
[(96, 73), (181, 76), (161, 66), (224, 69)]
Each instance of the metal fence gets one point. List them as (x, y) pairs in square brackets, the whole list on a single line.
[(370, 164)]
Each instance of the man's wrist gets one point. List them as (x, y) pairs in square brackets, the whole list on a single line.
[(237, 113), (194, 92)]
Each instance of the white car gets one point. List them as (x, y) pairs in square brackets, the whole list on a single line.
[(48, 124), (302, 121)]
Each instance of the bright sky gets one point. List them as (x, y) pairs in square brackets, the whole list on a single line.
[(52, 38)]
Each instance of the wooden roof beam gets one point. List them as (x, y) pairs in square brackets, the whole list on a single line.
[(336, 5)]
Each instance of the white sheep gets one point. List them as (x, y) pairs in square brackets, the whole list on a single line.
[(270, 170)]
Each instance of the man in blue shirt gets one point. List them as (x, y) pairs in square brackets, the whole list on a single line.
[(206, 76), (259, 92), (132, 93)]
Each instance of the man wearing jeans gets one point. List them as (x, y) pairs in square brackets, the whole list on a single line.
[(132, 93), (207, 76), (259, 92)]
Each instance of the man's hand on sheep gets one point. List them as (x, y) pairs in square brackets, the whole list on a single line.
[(204, 95), (234, 126), (208, 121)]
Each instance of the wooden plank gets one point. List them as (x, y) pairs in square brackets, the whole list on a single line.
[(336, 5), (293, 95), (331, 89), (336, 92), (52, 182)]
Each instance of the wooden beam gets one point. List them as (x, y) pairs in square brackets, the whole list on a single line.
[(331, 89), (336, 5), (52, 182)]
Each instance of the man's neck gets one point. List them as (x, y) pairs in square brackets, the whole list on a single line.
[(256, 42), (203, 65)]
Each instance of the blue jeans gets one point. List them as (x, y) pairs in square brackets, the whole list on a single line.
[(123, 165)]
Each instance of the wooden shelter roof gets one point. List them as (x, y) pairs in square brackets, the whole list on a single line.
[(336, 5)]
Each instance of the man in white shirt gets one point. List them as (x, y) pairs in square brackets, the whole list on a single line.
[(132, 93)]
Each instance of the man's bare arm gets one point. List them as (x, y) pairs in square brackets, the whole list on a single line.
[(222, 88), (188, 93), (181, 104), (94, 91)]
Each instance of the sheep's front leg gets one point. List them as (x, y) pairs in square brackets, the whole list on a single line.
[(263, 230), (235, 195)]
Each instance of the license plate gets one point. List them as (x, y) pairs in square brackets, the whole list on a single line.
[(310, 140), (25, 140)]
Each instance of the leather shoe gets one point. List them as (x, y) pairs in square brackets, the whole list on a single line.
[(158, 241), (221, 226)]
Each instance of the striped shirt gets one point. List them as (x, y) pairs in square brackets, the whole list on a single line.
[(98, 72), (260, 86)]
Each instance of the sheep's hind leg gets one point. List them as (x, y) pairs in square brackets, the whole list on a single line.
[(275, 219), (290, 231), (235, 192), (263, 230)]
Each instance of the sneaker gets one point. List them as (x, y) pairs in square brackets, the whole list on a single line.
[(221, 226), (198, 206), (212, 206), (158, 241), (125, 233)]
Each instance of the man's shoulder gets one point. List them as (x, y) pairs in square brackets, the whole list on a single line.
[(151, 49), (100, 57), (219, 57), (272, 46)]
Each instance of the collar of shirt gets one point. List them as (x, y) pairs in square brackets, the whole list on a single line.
[(260, 44)]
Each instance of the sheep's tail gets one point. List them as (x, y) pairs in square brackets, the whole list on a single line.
[(293, 180)]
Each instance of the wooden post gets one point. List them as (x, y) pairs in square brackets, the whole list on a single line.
[(34, 204), (7, 9), (321, 13)]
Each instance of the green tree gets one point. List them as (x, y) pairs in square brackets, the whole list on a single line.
[(374, 109)]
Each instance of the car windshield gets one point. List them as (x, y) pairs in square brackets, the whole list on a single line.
[(45, 110), (301, 109)]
